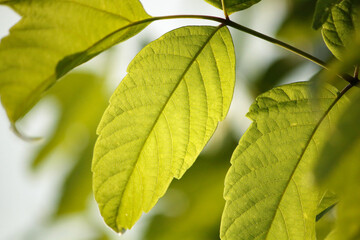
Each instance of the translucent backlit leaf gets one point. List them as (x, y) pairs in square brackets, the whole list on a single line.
[(339, 168), (322, 11), (342, 27), (52, 38), (233, 5), (159, 119), (268, 190)]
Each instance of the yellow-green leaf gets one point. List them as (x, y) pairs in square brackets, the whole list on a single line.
[(342, 27), (159, 119), (268, 190), (339, 168), (322, 11), (52, 38), (232, 6)]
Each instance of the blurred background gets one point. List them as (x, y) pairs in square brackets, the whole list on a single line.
[(45, 186)]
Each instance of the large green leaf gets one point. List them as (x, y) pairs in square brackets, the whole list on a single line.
[(159, 119), (339, 167), (232, 6), (342, 27), (52, 38), (322, 11), (268, 191)]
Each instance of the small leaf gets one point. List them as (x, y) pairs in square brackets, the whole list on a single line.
[(339, 168), (268, 191), (159, 119), (322, 11), (342, 27), (52, 38), (233, 5)]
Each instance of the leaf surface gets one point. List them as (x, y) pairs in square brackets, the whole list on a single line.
[(342, 27), (233, 5), (339, 168), (159, 119), (52, 38), (322, 11), (268, 191)]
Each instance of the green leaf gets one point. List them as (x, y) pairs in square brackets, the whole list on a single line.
[(322, 11), (159, 119), (268, 190), (232, 6), (339, 168), (342, 27), (55, 36), (186, 205)]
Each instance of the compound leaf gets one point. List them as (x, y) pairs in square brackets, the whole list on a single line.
[(232, 6), (342, 27), (159, 119), (268, 191), (322, 11), (52, 38)]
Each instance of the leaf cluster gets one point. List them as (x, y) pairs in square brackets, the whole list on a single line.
[(295, 165)]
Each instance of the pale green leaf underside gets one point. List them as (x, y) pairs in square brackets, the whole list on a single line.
[(159, 119), (233, 5), (341, 27), (322, 11), (268, 192), (52, 38)]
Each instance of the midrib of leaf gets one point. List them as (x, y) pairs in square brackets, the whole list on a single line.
[(99, 42), (302, 155), (193, 60)]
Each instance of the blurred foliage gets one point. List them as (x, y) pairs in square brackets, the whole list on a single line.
[(192, 207), (325, 225), (274, 74), (296, 27), (82, 100), (338, 168)]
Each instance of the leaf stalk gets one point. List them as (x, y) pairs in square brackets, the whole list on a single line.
[(226, 21)]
